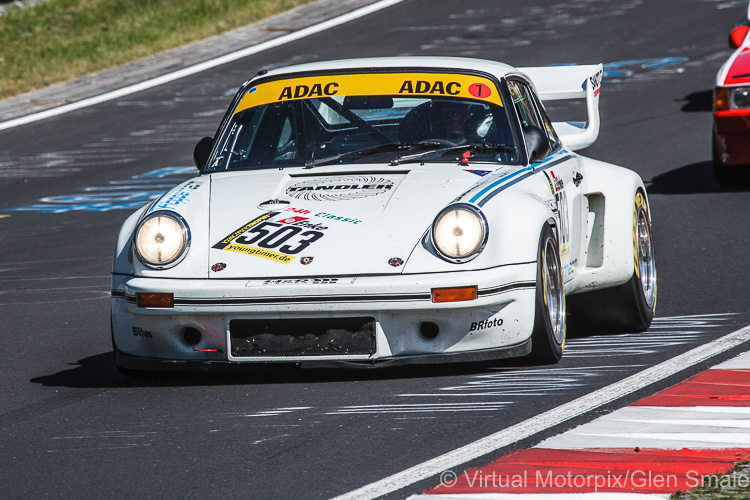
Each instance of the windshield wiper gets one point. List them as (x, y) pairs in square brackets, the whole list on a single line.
[(445, 151), (374, 150)]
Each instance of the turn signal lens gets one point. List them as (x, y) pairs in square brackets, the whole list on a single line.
[(721, 100), (161, 300), (460, 294)]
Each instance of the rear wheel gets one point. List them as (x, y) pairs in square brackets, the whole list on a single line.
[(628, 307), (548, 337)]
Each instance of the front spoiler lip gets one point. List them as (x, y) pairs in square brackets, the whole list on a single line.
[(139, 363)]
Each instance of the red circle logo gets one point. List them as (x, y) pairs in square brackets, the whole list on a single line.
[(480, 90)]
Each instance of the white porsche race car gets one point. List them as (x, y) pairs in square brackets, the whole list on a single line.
[(374, 212)]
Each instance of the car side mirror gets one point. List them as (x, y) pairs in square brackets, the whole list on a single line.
[(737, 36), (202, 151), (537, 143)]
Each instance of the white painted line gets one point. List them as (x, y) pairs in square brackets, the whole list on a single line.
[(549, 418), (176, 75)]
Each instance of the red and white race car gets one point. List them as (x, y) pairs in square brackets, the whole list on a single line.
[(731, 134)]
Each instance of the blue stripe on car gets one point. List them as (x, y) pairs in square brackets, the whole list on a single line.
[(504, 183)]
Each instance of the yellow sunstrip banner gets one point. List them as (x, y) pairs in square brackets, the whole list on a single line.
[(260, 252), (387, 84)]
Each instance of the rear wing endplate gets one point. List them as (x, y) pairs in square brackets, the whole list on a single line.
[(571, 82)]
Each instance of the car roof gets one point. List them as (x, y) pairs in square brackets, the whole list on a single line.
[(494, 68)]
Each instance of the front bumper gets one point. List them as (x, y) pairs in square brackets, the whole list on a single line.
[(732, 136), (497, 324)]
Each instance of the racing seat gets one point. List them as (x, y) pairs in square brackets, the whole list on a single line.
[(417, 125), (424, 122)]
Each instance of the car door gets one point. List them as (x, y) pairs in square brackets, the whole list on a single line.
[(563, 172)]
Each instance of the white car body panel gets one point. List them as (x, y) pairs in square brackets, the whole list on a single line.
[(365, 225)]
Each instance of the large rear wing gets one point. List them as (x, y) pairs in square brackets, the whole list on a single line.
[(571, 82)]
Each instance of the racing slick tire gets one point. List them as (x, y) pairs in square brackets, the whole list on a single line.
[(548, 336), (630, 306)]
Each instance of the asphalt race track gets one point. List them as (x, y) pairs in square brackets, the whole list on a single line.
[(71, 426)]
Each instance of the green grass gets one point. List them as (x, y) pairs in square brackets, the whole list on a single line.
[(732, 485), (61, 40)]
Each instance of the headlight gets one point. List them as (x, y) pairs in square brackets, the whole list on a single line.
[(161, 239), (741, 97), (732, 98), (459, 232)]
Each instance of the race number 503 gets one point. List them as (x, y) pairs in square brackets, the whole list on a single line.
[(288, 239)]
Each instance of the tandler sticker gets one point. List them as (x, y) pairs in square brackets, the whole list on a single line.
[(340, 188)]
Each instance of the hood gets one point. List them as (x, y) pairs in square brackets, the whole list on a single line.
[(326, 221)]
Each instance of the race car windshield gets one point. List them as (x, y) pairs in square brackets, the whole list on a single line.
[(363, 128)]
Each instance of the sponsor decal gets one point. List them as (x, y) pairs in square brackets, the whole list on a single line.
[(246, 227), (176, 197), (337, 217), (425, 87), (262, 238), (340, 188), (301, 281), (488, 323), (395, 261), (219, 266), (555, 183), (480, 90), (596, 81), (311, 225), (297, 210), (142, 332), (260, 252), (305, 260), (557, 186), (292, 220), (375, 84), (480, 173), (309, 91)]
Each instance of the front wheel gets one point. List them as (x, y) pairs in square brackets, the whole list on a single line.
[(548, 337)]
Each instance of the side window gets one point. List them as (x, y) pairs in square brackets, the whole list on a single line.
[(524, 104), (553, 139), (529, 111)]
